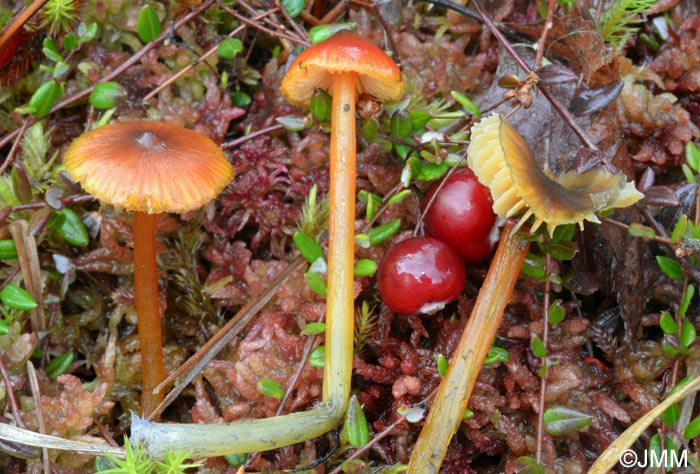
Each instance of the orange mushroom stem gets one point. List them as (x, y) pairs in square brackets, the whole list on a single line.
[(148, 309)]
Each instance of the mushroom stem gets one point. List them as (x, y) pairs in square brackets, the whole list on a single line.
[(148, 309), (447, 410), (341, 243)]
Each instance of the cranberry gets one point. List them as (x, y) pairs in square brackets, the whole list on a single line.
[(462, 215), (420, 275)]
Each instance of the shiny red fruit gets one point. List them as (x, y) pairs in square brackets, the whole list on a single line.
[(462, 215), (420, 275)]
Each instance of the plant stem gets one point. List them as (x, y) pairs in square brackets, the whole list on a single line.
[(341, 243), (447, 410), (148, 310)]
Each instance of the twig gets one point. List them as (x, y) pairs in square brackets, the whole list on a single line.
[(250, 136), (543, 36), (11, 395), (189, 370), (13, 151), (36, 393), (19, 21), (254, 24)]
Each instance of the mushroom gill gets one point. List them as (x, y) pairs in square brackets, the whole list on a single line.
[(501, 160)]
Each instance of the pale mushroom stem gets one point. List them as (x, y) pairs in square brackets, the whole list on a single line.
[(148, 310), (341, 243), (447, 410)]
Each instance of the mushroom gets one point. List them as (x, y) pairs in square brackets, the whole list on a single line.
[(502, 161), (148, 168), (345, 65)]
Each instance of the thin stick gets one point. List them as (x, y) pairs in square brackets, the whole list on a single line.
[(15, 146), (447, 410), (19, 21), (193, 366), (36, 394)]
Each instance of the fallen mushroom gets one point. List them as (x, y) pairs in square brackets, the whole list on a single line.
[(148, 168), (346, 65), (502, 161)]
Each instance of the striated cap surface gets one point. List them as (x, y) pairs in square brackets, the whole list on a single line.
[(147, 166)]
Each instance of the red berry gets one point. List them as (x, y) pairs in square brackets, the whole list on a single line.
[(420, 275), (462, 215)]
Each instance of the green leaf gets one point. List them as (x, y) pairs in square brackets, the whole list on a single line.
[(237, 459), (556, 312), (497, 355), (670, 267), (293, 123), (381, 233), (356, 428), (17, 298), (400, 125), (50, 50), (69, 226), (316, 283), (688, 173), (667, 323), (398, 197), (692, 429), (432, 171), (369, 128), (442, 365), (70, 41), (639, 230), (679, 228), (293, 7), (314, 328), (320, 107), (107, 95), (271, 388), (59, 365), (43, 99), (671, 415), (528, 465), (229, 48), (323, 32), (562, 251), (538, 347), (365, 267), (533, 266), (241, 99), (419, 119), (317, 358), (466, 104), (688, 333), (562, 421), (309, 248), (687, 298), (8, 249), (4, 328), (148, 24), (692, 155)]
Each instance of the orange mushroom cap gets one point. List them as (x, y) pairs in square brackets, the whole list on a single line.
[(345, 51), (149, 167)]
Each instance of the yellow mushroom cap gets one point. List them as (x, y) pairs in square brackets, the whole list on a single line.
[(501, 160), (150, 167), (345, 51)]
